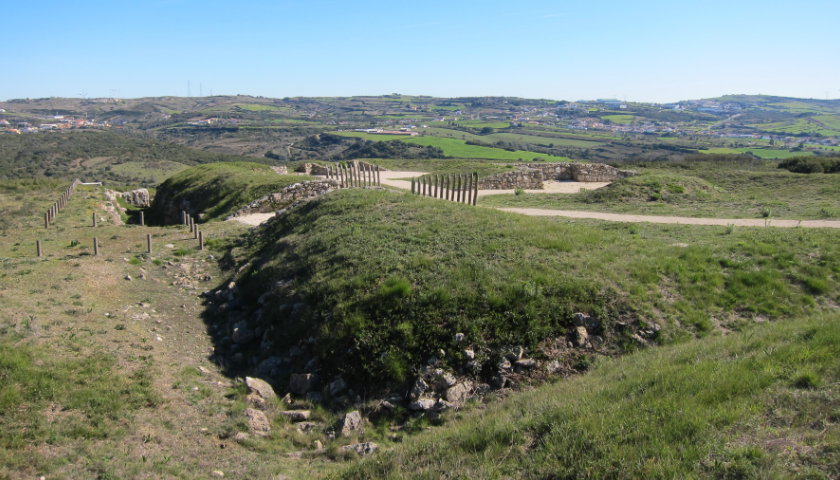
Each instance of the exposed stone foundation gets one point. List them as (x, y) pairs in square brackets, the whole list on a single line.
[(532, 175), (292, 193)]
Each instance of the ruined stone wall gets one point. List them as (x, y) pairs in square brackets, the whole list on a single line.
[(523, 178), (287, 196), (138, 198), (530, 172)]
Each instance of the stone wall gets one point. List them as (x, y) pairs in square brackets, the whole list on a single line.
[(138, 198), (532, 175), (523, 178), (287, 196)]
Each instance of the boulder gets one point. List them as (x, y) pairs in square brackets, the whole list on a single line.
[(422, 404), (420, 387), (361, 449), (296, 415), (301, 383), (242, 333), (337, 386), (258, 422), (581, 336), (260, 387), (457, 394), (352, 423)]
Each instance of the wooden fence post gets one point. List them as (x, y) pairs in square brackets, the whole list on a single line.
[(378, 179), (475, 192), (469, 190), (142, 219), (38, 248), (201, 240), (148, 243), (93, 218), (195, 230), (46, 220), (95, 246), (451, 188)]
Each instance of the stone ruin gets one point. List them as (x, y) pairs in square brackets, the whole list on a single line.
[(532, 175)]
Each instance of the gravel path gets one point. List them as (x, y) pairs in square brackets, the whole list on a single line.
[(622, 217)]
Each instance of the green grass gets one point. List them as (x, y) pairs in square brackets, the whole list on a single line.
[(619, 119), (218, 189), (763, 403), (701, 189), (453, 147), (506, 279), (47, 398)]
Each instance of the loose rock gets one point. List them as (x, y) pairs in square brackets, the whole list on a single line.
[(352, 423), (260, 387), (258, 422)]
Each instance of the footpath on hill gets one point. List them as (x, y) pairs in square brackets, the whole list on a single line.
[(630, 218), (399, 180)]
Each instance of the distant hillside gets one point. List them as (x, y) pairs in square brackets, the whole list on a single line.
[(97, 156)]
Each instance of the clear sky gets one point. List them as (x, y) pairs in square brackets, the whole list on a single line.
[(642, 50)]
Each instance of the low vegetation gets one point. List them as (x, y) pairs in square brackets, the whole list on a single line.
[(724, 186), (812, 164), (218, 189), (763, 403), (382, 281)]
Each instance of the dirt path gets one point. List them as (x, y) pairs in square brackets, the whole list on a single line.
[(396, 179), (622, 217), (253, 219)]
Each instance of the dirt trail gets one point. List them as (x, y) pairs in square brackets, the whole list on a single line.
[(623, 217)]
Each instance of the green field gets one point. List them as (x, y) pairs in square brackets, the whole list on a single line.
[(619, 119), (459, 149), (765, 153)]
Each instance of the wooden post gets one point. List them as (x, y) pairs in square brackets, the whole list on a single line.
[(148, 243), (192, 223), (183, 217), (93, 218), (195, 230), (95, 246), (451, 188), (469, 190), (425, 181), (435, 183), (412, 185), (459, 188), (142, 219), (378, 179), (475, 192), (201, 240), (46, 220), (38, 248)]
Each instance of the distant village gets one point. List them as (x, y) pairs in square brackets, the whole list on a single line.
[(54, 123)]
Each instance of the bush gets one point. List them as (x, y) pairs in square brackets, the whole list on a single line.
[(812, 164)]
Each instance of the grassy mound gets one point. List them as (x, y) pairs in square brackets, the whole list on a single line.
[(218, 189), (374, 283), (759, 404), (654, 187)]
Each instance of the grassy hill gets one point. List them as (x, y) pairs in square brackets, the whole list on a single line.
[(112, 157), (371, 284), (763, 403), (217, 189)]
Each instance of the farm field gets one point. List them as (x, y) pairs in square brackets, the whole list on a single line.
[(459, 149)]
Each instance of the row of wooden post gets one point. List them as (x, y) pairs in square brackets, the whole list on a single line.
[(189, 221), (355, 175), (200, 237), (461, 188), (57, 206)]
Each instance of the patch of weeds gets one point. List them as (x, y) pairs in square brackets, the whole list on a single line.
[(180, 252), (807, 380)]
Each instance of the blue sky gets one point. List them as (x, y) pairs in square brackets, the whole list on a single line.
[(656, 51)]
